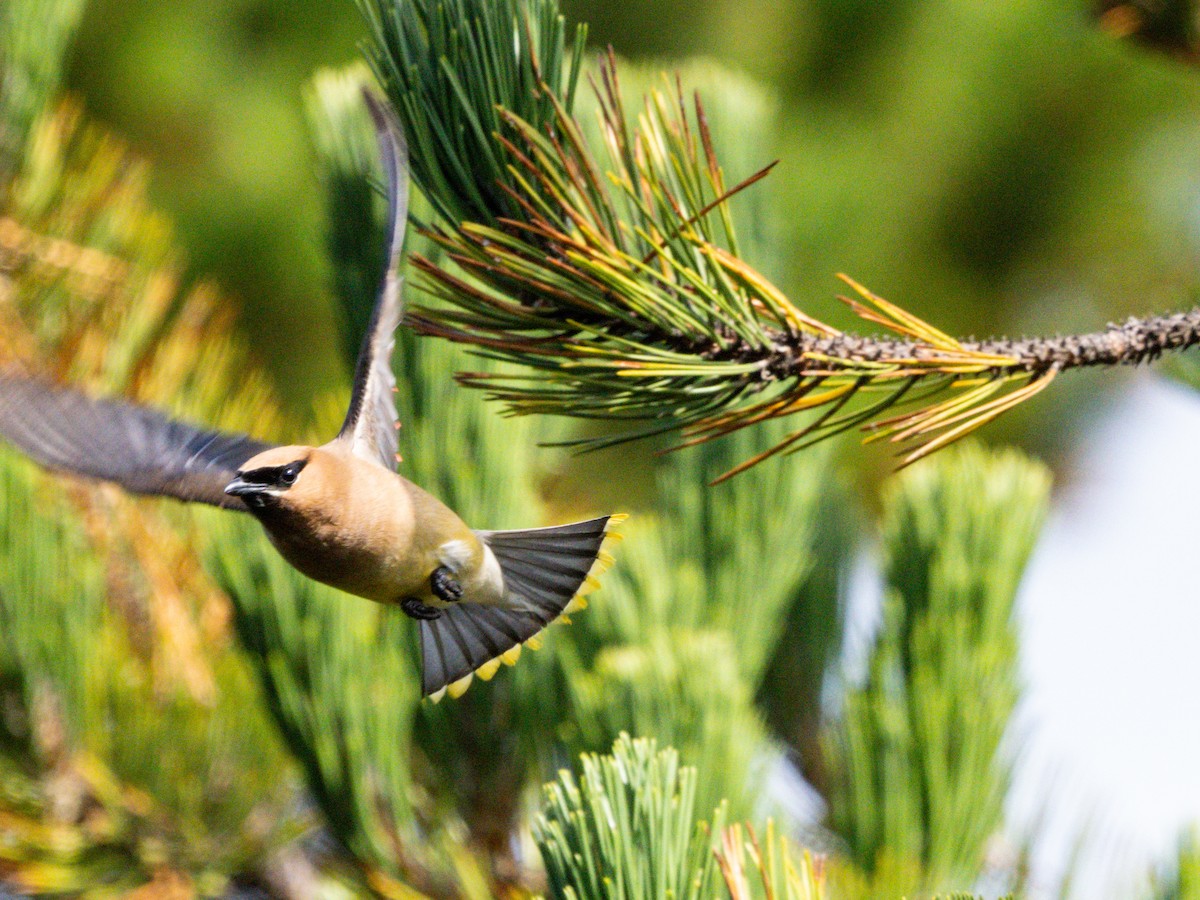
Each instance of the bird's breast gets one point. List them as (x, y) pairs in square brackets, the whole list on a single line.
[(377, 538)]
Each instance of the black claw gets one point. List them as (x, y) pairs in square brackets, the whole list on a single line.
[(418, 610), (445, 586)]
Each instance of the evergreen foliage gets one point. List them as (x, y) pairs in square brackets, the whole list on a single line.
[(135, 748), (346, 148), (919, 772), (679, 642), (1182, 881), (132, 749), (614, 277), (628, 829), (455, 70), (33, 40)]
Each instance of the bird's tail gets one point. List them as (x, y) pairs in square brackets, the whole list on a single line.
[(547, 572)]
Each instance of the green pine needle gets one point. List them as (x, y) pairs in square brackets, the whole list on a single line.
[(626, 830), (918, 772), (608, 266), (449, 67), (616, 282)]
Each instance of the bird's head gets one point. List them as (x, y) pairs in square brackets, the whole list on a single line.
[(273, 478)]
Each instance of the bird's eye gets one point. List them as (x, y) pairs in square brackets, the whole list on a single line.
[(289, 473)]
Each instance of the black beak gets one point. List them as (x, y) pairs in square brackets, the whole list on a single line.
[(250, 492)]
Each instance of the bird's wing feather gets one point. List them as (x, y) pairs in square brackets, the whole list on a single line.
[(468, 636), (370, 425), (138, 448), (546, 570)]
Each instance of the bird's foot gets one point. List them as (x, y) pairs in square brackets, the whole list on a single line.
[(418, 610), (445, 586)]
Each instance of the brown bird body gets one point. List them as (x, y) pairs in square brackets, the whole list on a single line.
[(349, 523), (339, 512)]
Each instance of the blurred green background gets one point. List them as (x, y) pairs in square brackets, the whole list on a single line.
[(993, 167)]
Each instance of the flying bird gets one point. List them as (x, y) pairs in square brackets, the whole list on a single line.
[(339, 512)]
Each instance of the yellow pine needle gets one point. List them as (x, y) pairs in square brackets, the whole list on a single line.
[(771, 294), (1004, 402), (727, 423), (996, 359), (907, 322), (720, 203), (653, 370), (924, 420), (838, 365), (814, 400), (982, 416), (909, 425), (758, 457)]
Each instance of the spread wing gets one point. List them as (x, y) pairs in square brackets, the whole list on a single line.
[(138, 448), (370, 424)]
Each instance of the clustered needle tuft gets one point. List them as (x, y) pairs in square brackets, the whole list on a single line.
[(608, 269)]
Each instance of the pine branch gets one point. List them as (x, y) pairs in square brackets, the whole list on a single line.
[(1131, 342), (609, 270)]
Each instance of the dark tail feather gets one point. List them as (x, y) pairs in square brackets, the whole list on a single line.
[(546, 573)]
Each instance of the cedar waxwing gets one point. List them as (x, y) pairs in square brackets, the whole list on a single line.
[(339, 512)]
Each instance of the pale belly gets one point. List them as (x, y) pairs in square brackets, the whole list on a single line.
[(387, 577), (389, 565)]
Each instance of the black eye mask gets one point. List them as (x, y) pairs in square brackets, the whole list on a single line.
[(275, 476)]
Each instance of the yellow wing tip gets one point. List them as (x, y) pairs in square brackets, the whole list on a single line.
[(590, 584), (488, 669), (577, 603), (601, 564), (457, 688), (485, 672), (534, 643), (611, 526)]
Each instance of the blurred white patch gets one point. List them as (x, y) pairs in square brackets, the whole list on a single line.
[(1109, 733), (454, 555)]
